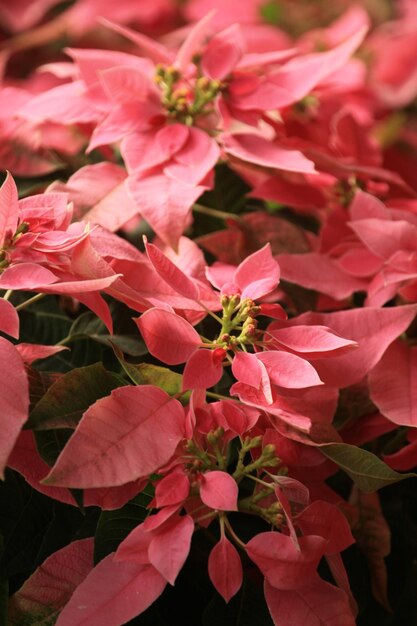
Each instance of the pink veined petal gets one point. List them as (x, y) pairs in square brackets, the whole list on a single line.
[(318, 604), (172, 274), (220, 274), (65, 104), (218, 490), (32, 351), (312, 341), (373, 330), (124, 84), (9, 208), (385, 238), (170, 546), (249, 370), (223, 53), (318, 271), (300, 75), (14, 399), (134, 548), (80, 286), (40, 594), (258, 274), (165, 203), (204, 369), (127, 435), (9, 319), (289, 370), (148, 47), (170, 139), (365, 205), (193, 42), (285, 565), (168, 336), (260, 151), (326, 520), (225, 569), (26, 276), (112, 594), (172, 489), (195, 160), (393, 384)]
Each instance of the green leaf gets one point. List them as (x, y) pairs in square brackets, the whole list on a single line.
[(45, 323), (148, 374), (114, 526), (88, 326), (71, 395), (271, 12), (367, 471)]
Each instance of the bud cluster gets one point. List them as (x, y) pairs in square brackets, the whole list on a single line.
[(186, 100)]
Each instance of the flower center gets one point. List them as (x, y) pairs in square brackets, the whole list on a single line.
[(186, 100)]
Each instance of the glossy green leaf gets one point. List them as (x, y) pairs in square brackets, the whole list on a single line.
[(89, 326), (69, 397), (367, 471), (114, 526)]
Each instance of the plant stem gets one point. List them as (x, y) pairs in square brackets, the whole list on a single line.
[(32, 300), (221, 215)]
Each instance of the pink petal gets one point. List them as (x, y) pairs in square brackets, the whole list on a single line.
[(171, 273), (218, 490), (14, 399), (325, 519), (318, 604), (393, 384), (193, 42), (372, 329), (112, 594), (32, 351), (249, 370), (300, 75), (172, 489), (204, 369), (127, 435), (288, 370), (195, 160), (284, 565), (223, 53), (261, 151), (258, 274), (318, 271), (385, 238), (312, 341), (9, 208), (165, 203), (168, 336), (26, 276), (170, 546), (9, 319), (225, 569)]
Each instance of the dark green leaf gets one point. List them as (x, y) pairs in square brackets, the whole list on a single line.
[(367, 471), (89, 326), (71, 395), (114, 526)]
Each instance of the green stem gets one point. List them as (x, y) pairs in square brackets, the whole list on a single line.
[(221, 215), (32, 300), (8, 294), (232, 533)]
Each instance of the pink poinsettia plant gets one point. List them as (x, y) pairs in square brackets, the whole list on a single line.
[(208, 271)]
